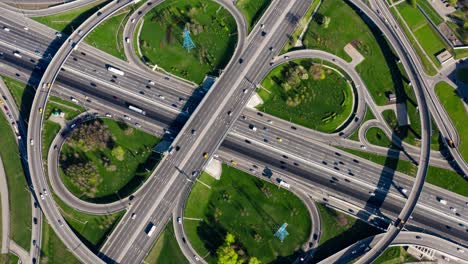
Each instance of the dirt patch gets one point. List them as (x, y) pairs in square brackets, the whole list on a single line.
[(342, 220)]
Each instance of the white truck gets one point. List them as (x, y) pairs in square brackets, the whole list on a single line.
[(136, 109), (115, 70)]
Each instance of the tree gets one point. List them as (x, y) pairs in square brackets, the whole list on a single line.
[(118, 153), (326, 21), (226, 253), (254, 260)]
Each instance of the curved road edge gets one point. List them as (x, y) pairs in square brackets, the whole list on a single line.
[(39, 180)]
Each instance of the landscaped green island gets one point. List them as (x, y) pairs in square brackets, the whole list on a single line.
[(250, 209), (212, 29), (103, 160), (307, 93)]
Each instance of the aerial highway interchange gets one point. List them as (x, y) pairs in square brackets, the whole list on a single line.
[(202, 125)]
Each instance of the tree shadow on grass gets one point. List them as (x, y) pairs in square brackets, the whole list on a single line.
[(212, 234)]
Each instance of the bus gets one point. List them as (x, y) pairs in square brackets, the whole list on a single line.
[(115, 70), (136, 109), (150, 229)]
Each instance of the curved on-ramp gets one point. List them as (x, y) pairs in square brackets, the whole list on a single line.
[(34, 146), (404, 238)]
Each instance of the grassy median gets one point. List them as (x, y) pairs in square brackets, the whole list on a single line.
[(456, 110), (53, 251), (252, 10), (67, 22), (166, 249), (249, 208), (20, 197)]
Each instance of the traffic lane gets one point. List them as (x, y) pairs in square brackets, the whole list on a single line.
[(30, 43), (390, 207), (99, 56), (319, 153), (430, 202), (175, 102)]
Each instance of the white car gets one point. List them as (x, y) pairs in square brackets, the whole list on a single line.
[(133, 20), (133, 216), (161, 97), (442, 201), (403, 190), (26, 28), (127, 117), (108, 115), (42, 196), (151, 82), (32, 142), (137, 125), (179, 220), (45, 192), (127, 40), (6, 29), (196, 257), (453, 209)]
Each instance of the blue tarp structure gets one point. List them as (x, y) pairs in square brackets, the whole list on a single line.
[(282, 233)]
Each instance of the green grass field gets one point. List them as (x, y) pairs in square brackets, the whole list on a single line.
[(8, 258), (68, 21), (377, 137), (20, 197), (379, 70), (22, 94), (108, 36), (442, 178), (71, 110), (129, 173), (252, 10), (431, 42), (166, 250), (91, 229), (324, 105), (213, 31), (430, 12), (339, 231), (394, 255), (53, 251), (236, 204), (454, 106)]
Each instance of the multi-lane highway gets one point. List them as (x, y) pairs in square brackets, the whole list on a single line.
[(206, 128), (202, 134)]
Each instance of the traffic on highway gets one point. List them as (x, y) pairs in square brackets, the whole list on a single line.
[(221, 124)]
